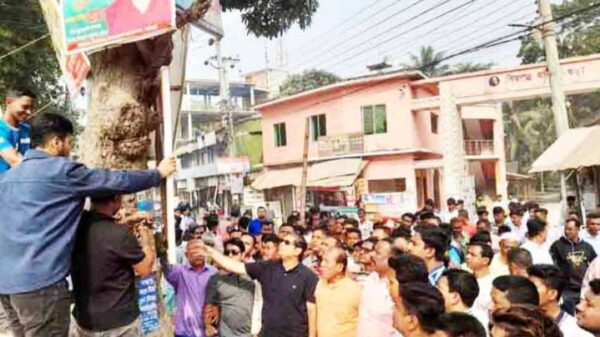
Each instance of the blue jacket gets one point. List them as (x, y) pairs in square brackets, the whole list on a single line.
[(41, 201)]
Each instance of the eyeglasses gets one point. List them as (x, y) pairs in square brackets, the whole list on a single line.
[(233, 252)]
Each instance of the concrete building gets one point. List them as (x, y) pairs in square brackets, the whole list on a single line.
[(370, 145), (210, 175)]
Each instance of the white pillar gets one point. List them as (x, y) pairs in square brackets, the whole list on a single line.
[(189, 123), (501, 182), (451, 135)]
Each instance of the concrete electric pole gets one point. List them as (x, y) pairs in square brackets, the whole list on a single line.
[(223, 64), (559, 106)]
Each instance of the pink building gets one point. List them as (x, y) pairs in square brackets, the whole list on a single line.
[(371, 143)]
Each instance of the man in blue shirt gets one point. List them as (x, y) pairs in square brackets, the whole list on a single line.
[(255, 226), (42, 203), (14, 130)]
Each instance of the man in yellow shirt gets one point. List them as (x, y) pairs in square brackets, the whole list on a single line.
[(337, 297)]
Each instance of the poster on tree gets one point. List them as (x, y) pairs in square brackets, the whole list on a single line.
[(148, 303), (92, 25)]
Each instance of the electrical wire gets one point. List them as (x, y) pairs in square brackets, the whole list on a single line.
[(16, 50)]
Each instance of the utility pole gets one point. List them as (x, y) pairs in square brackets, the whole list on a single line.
[(222, 65), (304, 173), (559, 106)]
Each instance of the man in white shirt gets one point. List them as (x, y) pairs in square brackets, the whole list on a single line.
[(451, 212), (536, 242), (550, 282), (517, 226), (479, 257), (591, 233), (364, 225)]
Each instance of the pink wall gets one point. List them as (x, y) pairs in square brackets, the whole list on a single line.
[(343, 110)]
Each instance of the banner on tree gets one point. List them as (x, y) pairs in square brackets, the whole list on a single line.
[(93, 25)]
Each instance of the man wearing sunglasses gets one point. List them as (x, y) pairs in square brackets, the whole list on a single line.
[(229, 298), (288, 287)]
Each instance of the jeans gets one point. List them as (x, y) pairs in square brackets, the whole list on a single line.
[(131, 330), (39, 313)]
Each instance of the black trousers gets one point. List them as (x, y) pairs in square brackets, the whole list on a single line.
[(40, 313)]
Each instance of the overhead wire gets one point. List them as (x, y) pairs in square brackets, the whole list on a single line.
[(444, 34)]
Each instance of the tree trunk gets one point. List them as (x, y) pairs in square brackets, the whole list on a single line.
[(122, 112)]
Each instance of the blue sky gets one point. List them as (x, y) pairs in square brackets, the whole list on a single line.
[(346, 35)]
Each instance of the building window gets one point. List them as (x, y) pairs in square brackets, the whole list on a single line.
[(280, 136), (434, 123), (318, 126), (387, 185), (374, 119)]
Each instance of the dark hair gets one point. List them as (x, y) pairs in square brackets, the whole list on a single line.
[(409, 268), (341, 256), (16, 92), (464, 212), (435, 238), (535, 227), (429, 202), (486, 250), (593, 215), (103, 198), (270, 237), (401, 232), (412, 217), (291, 220), (351, 222), (503, 229), (460, 324), (516, 211), (571, 198), (520, 256), (551, 276), (541, 210), (235, 242), (518, 289), (463, 283), (426, 216), (244, 222), (353, 230), (481, 211), (212, 221), (525, 321), (299, 242), (48, 125), (423, 301), (595, 286), (481, 237), (460, 202), (576, 221), (451, 201), (498, 210)]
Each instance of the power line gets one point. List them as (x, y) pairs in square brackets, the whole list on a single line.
[(401, 33), (397, 46), (404, 9), (16, 50), (341, 24)]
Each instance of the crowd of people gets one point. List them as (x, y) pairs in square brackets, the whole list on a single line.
[(430, 273)]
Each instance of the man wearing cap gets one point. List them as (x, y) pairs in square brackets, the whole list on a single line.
[(499, 264)]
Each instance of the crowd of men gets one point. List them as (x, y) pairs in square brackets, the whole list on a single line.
[(430, 273)]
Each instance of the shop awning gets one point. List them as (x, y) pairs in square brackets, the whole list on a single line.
[(333, 173), (577, 148)]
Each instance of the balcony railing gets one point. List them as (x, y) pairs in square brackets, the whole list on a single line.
[(479, 147), (341, 144)]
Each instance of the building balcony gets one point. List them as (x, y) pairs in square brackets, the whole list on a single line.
[(479, 148), (331, 146), (221, 166)]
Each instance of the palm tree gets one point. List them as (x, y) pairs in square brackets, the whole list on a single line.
[(428, 61), (469, 67)]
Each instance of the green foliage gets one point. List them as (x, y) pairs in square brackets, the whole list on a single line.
[(35, 67), (578, 35), (271, 18), (308, 80), (428, 61), (468, 67)]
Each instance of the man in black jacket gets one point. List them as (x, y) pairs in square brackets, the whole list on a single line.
[(573, 256)]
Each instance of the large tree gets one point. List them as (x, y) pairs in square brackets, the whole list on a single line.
[(34, 67), (124, 83), (308, 80)]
